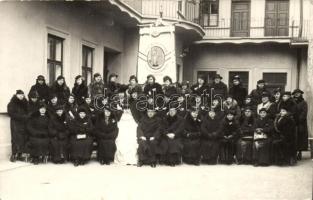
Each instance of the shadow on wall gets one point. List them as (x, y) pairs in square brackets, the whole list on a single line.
[(5, 137)]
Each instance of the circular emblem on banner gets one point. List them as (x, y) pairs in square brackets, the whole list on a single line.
[(156, 57)]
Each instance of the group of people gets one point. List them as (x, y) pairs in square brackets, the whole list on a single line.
[(203, 123)]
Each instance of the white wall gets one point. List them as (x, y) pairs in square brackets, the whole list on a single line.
[(23, 39)]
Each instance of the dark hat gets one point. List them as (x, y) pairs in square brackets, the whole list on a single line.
[(201, 77), (262, 109), (59, 107), (297, 91), (72, 95), (113, 75), (151, 107), (247, 108), (60, 77), (173, 105), (193, 109), (165, 78), (261, 81), (249, 96), (276, 90), (151, 76), (236, 77), (185, 83), (217, 76), (229, 96), (33, 94), (107, 107), (81, 109), (284, 108), (265, 94), (52, 95), (231, 111), (42, 105), (133, 77), (96, 75), (41, 77), (19, 92), (77, 77), (286, 93)]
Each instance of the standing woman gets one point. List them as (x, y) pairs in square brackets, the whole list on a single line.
[(285, 125), (39, 135), (230, 130), (60, 89), (33, 103), (81, 138), (191, 137), (41, 88), (80, 90), (106, 132), (238, 91), (59, 133), (301, 121), (263, 132), (17, 110)]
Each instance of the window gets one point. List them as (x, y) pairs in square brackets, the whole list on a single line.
[(209, 12), (55, 57), (276, 18), (208, 75), (244, 77), (275, 80), (87, 63)]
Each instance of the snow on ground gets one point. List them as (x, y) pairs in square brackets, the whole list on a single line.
[(95, 182)]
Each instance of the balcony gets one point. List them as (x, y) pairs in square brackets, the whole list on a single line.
[(257, 31)]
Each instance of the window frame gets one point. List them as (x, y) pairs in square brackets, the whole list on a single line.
[(207, 4), (53, 61), (85, 69)]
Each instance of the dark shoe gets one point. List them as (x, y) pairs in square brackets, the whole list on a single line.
[(139, 164), (76, 163), (153, 165), (299, 156), (12, 158), (35, 161)]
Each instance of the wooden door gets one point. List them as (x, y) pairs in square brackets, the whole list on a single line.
[(277, 18), (240, 22)]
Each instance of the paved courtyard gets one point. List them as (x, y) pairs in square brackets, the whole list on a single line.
[(95, 182)]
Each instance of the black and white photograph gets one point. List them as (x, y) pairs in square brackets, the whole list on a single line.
[(156, 100)]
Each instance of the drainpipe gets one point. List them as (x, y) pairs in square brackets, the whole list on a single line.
[(301, 19)]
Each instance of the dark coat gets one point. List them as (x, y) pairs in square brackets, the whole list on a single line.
[(200, 90), (244, 147), (256, 94), (151, 89), (80, 148), (302, 126), (239, 93), (247, 125), (51, 109), (96, 88), (115, 88), (61, 91), (18, 113), (230, 130), (33, 106), (70, 111), (43, 91), (266, 124), (106, 132), (170, 90), (38, 130), (291, 106), (219, 89), (80, 92)]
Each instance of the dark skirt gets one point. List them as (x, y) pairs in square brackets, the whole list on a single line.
[(277, 151), (210, 150), (261, 151), (147, 151), (80, 149), (18, 141), (59, 149), (227, 151), (302, 137), (106, 149), (191, 149), (244, 151), (38, 146)]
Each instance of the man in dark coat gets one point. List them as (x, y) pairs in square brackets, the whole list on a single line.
[(263, 131), (148, 133), (59, 136), (60, 89), (230, 130), (218, 87), (201, 87), (170, 140), (285, 126), (106, 132), (18, 112), (301, 121), (81, 138), (38, 143), (41, 88), (256, 94), (80, 90), (237, 91), (245, 142), (191, 137), (210, 138)]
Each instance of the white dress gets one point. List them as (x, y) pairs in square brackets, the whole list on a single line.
[(126, 141)]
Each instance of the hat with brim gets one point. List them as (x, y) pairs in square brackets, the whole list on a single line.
[(217, 76), (297, 91)]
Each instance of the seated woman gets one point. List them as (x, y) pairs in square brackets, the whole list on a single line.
[(39, 135), (80, 138), (148, 132), (59, 136), (285, 128), (70, 108), (245, 142), (263, 130), (170, 141), (230, 130), (191, 137), (210, 138), (106, 132)]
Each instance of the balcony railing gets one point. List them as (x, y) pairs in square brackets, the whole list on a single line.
[(257, 29)]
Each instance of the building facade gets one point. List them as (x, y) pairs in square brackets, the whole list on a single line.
[(256, 39)]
